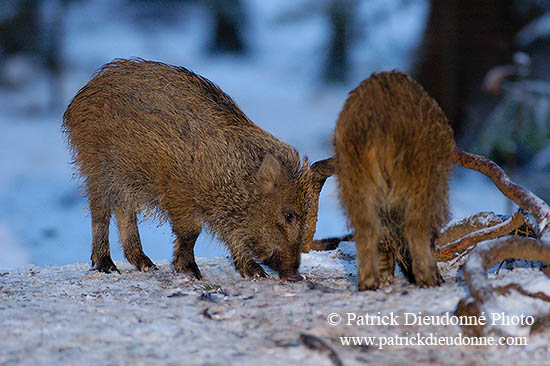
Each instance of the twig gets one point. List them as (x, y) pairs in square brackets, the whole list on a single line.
[(317, 344)]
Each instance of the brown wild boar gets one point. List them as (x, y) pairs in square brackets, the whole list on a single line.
[(393, 148), (152, 137)]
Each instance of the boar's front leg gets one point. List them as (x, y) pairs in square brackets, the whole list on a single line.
[(184, 255), (245, 264)]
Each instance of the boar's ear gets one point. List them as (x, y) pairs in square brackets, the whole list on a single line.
[(323, 169), (268, 173)]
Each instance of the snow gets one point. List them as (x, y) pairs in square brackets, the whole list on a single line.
[(71, 315)]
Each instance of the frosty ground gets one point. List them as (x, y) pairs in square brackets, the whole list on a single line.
[(71, 315)]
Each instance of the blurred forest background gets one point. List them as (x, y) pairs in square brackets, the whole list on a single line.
[(288, 64)]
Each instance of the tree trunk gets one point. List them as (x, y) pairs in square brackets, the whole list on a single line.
[(463, 40), (228, 20)]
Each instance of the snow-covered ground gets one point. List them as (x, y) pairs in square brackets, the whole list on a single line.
[(68, 315)]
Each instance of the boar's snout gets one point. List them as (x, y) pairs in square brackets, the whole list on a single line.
[(286, 272)]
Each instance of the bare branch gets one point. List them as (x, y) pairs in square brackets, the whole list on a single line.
[(505, 290), (522, 197), (459, 228), (494, 251), (475, 273), (447, 251), (329, 243)]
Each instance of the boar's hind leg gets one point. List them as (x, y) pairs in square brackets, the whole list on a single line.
[(131, 244), (366, 241), (101, 253), (418, 235), (367, 236), (386, 262), (184, 255)]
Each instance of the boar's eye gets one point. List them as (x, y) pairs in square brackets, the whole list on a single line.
[(289, 216)]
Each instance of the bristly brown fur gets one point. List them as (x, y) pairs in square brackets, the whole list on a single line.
[(393, 148), (154, 137)]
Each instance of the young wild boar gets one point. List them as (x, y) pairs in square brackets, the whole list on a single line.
[(157, 138), (393, 148)]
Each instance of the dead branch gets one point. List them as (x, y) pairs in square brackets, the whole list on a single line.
[(467, 225), (494, 251), (321, 170), (482, 298), (499, 226), (522, 197), (329, 243), (467, 234), (460, 237), (317, 344), (505, 290)]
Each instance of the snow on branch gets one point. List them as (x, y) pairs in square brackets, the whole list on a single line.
[(461, 237)]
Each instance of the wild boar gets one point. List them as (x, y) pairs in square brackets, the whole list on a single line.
[(393, 147), (155, 138)]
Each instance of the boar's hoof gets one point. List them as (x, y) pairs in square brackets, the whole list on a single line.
[(148, 267), (370, 283), (386, 278), (144, 264), (252, 269), (429, 281), (105, 265), (190, 269)]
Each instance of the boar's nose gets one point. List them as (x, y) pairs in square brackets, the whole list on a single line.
[(291, 277)]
